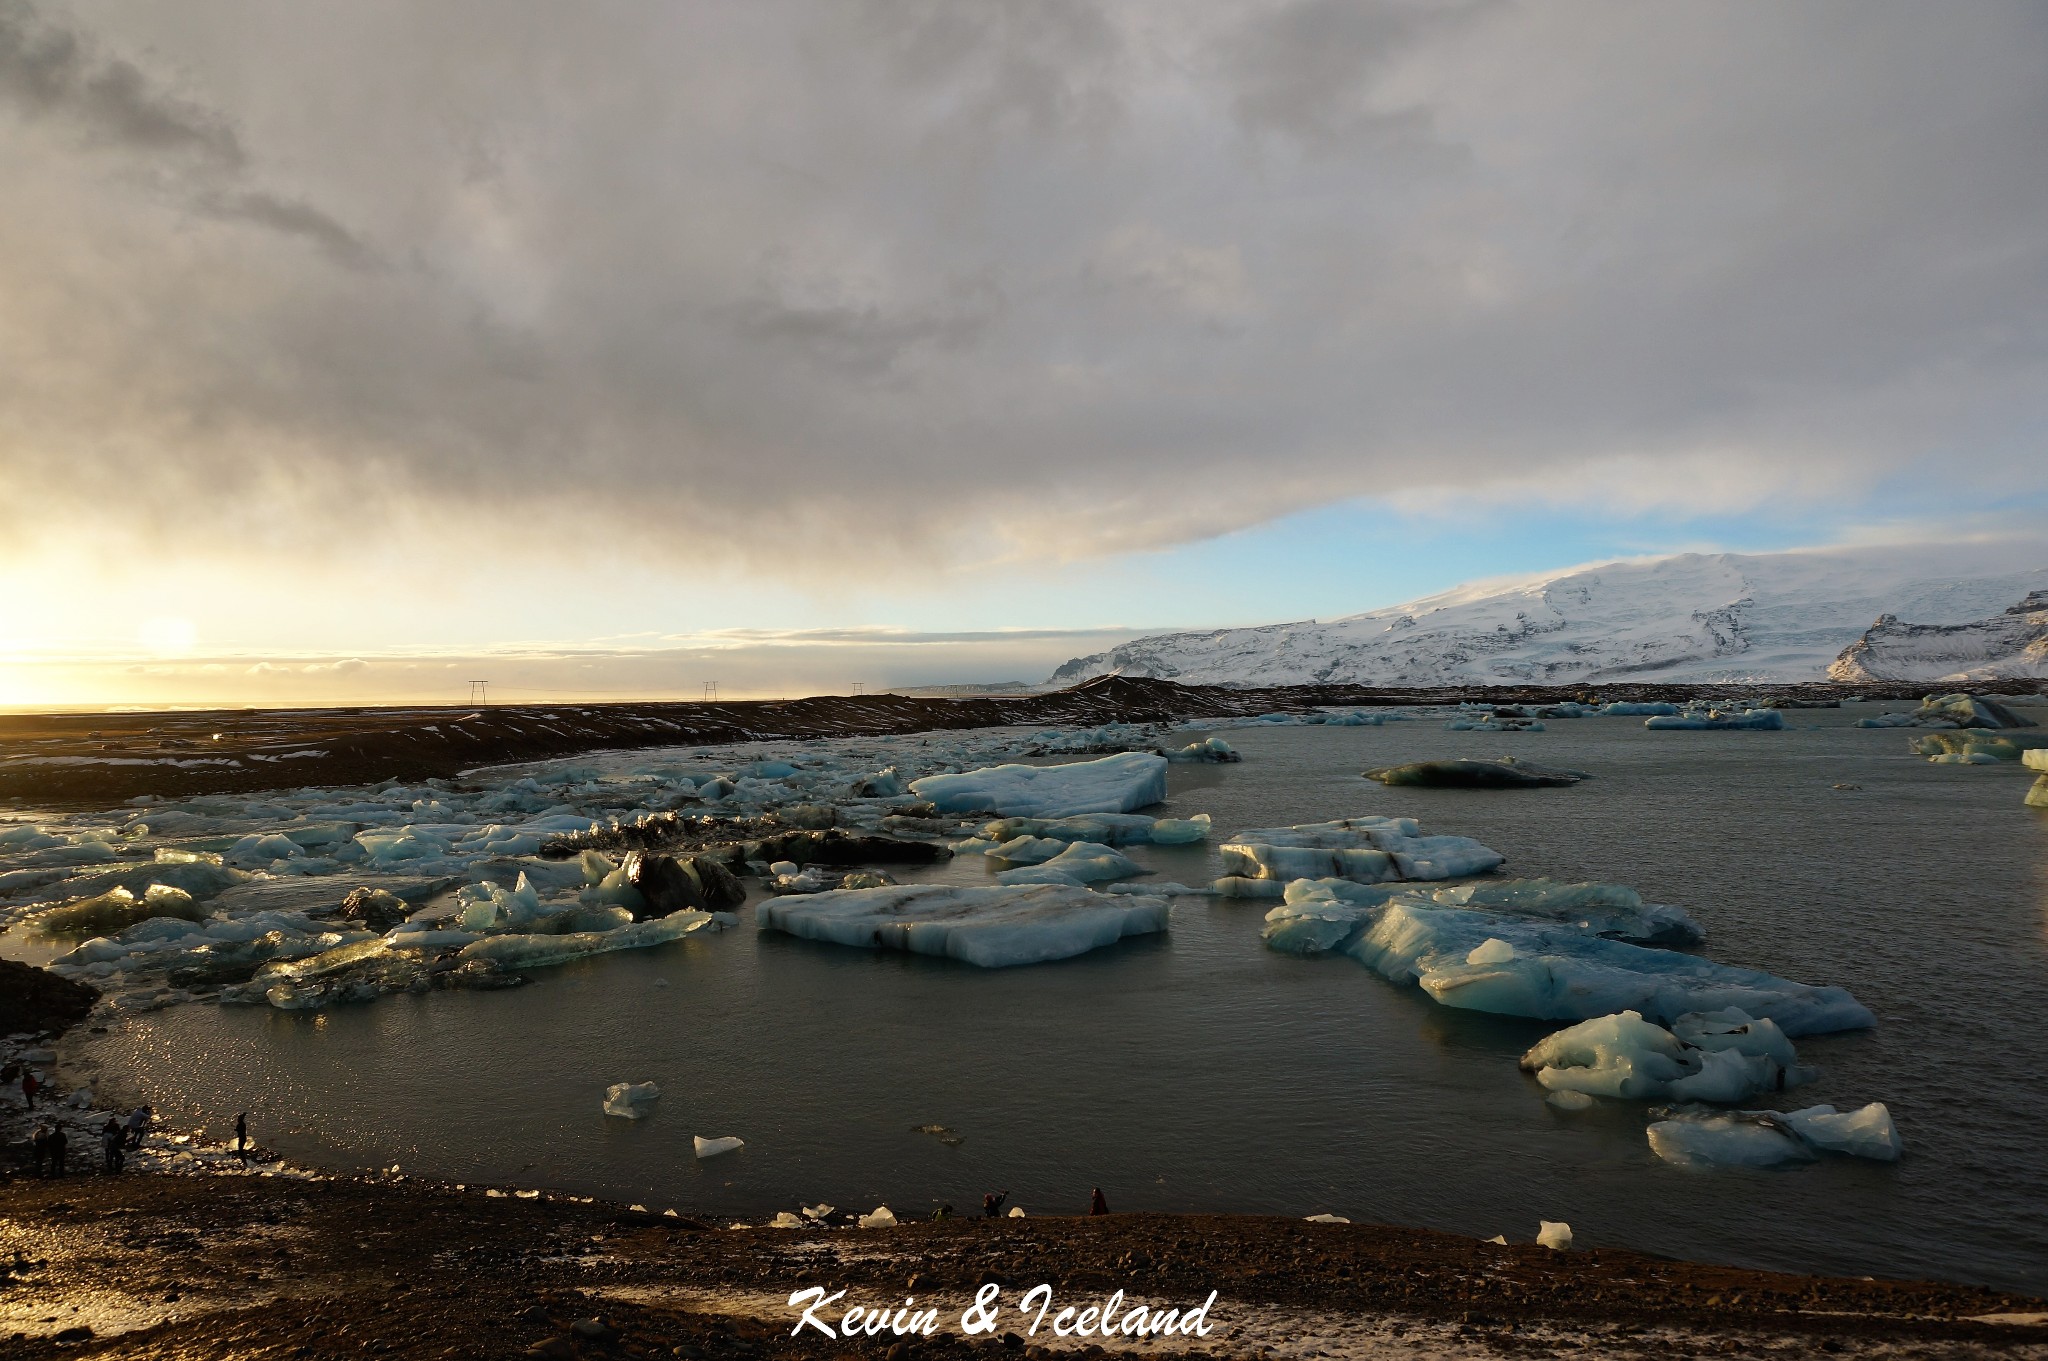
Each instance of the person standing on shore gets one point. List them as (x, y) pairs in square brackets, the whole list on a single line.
[(242, 1137), (39, 1146), (1098, 1204), (992, 1203), (29, 1086), (56, 1145), (110, 1146), (138, 1125)]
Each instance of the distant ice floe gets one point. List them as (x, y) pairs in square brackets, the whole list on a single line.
[(1501, 773), (1953, 711), (994, 927)]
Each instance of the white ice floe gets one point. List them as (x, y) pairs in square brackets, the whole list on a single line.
[(1109, 829), (1081, 862), (1766, 1138), (631, 1100), (1113, 784), (994, 927), (711, 1148), (1554, 1235)]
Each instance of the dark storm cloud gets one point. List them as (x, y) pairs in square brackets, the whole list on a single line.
[(49, 71), (846, 290)]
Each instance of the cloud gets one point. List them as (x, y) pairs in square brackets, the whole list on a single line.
[(50, 72), (859, 293)]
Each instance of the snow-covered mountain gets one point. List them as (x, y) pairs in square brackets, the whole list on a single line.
[(1693, 617), (2010, 645)]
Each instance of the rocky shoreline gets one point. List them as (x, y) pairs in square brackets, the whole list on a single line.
[(53, 760)]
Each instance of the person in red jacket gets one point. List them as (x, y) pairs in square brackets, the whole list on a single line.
[(1097, 1204), (29, 1085)]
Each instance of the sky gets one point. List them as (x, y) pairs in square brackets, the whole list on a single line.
[(349, 350)]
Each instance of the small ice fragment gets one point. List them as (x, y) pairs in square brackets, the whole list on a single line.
[(785, 1220), (1016, 1212), (1552, 1235), (711, 1148), (631, 1100), (1571, 1101), (1328, 1219), (1493, 950), (880, 1219)]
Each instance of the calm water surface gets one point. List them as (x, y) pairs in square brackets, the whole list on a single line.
[(1203, 1072)]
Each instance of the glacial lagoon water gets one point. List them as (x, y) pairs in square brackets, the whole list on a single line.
[(1200, 1071)]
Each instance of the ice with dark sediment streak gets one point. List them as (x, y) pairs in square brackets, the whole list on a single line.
[(1711, 719), (528, 951), (1367, 850), (1707, 1139), (1110, 829), (994, 927), (1113, 784)]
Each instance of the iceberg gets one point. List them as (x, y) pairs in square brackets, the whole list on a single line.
[(1082, 862), (1366, 850), (1110, 829), (1699, 1139), (526, 951), (993, 927), (1627, 1057), (1504, 773), (1639, 709), (1976, 747), (1113, 784), (631, 1100), (1968, 711), (1759, 720), (1559, 973), (711, 1148)]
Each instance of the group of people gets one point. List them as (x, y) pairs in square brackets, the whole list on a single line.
[(49, 1143)]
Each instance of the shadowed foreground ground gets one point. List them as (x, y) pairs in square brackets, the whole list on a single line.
[(253, 1266)]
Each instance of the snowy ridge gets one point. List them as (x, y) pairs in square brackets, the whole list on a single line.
[(2009, 645), (1721, 617)]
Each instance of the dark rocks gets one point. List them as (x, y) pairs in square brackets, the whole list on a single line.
[(837, 848), (377, 909), (1505, 773), (670, 883), (33, 999)]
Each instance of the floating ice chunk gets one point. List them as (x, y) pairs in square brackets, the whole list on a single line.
[(1553, 1235), (1969, 711), (631, 1100), (1083, 862), (1559, 973), (1214, 749), (994, 927), (1976, 747), (1313, 928), (1114, 784), (1767, 1138), (1364, 850), (1492, 950), (492, 907), (524, 951), (711, 1148), (1733, 1029), (1760, 720), (883, 784), (1639, 709), (1016, 1212), (1028, 850), (1109, 829), (1864, 1133), (880, 1219), (1495, 723), (1568, 1100), (1504, 773), (1600, 909), (1327, 1219)]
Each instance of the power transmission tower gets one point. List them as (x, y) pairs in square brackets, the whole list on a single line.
[(711, 691), (479, 692), (860, 687)]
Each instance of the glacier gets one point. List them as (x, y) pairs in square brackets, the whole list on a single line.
[(2010, 645), (996, 927), (1722, 617)]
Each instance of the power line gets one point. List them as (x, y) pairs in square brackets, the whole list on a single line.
[(479, 692)]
